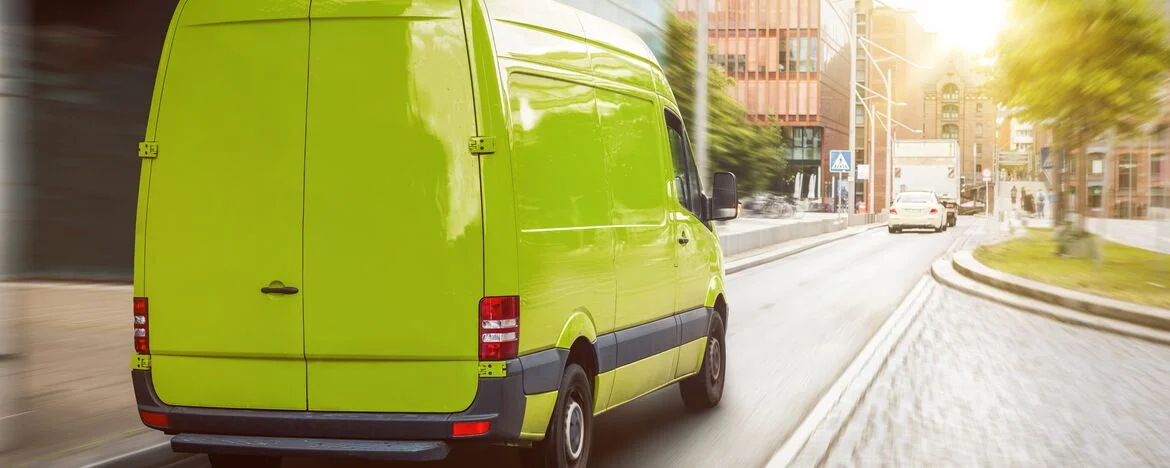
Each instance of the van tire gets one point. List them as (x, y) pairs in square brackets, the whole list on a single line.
[(574, 412), (219, 460), (704, 390)]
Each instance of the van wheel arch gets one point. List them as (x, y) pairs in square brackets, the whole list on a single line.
[(583, 354), (721, 308)]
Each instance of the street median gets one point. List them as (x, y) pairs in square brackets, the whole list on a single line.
[(1158, 318)]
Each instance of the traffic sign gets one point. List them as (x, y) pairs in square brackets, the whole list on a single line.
[(863, 172), (840, 161), (987, 175)]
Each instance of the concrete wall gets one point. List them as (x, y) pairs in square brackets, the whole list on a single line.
[(738, 243)]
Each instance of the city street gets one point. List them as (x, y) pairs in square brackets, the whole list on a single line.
[(795, 325)]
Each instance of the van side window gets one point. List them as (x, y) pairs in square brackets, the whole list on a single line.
[(686, 177)]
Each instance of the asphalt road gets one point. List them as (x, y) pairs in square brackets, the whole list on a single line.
[(795, 325)]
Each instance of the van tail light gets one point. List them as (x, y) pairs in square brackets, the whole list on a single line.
[(154, 420), (893, 210), (934, 211), (499, 328), (141, 328)]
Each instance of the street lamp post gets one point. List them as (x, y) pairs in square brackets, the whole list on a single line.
[(701, 34)]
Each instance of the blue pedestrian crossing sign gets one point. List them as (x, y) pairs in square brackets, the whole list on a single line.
[(840, 161)]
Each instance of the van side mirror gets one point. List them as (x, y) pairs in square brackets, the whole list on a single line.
[(725, 198)]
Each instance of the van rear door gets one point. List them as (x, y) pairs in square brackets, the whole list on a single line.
[(223, 213), (393, 226)]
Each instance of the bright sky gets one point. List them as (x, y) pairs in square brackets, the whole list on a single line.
[(970, 24)]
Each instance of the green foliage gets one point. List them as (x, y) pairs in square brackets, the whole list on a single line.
[(754, 152), (1082, 66)]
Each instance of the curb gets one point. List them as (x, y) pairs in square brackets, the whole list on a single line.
[(821, 428), (752, 262), (944, 272), (1153, 317)]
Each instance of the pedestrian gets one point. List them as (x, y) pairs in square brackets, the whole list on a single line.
[(1040, 197), (1014, 195), (1026, 200)]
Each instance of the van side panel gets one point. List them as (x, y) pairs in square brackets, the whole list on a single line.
[(393, 226), (562, 199), (224, 208), (644, 248), (562, 208)]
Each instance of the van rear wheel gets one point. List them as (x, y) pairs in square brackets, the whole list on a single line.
[(704, 390), (569, 435), (219, 460)]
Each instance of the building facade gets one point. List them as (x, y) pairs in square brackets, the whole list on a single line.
[(790, 61), (892, 46), (959, 107)]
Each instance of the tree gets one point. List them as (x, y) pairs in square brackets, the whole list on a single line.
[(1082, 68), (753, 151)]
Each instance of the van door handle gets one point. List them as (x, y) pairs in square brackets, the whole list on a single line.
[(683, 240), (280, 290)]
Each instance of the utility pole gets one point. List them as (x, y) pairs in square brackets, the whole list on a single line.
[(852, 105), (889, 137), (701, 35)]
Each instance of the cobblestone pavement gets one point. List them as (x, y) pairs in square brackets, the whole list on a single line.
[(974, 383)]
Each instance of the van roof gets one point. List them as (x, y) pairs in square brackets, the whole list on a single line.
[(550, 16)]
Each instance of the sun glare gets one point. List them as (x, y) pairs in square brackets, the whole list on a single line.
[(968, 24)]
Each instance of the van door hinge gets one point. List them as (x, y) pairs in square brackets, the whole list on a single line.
[(481, 145), (148, 149), (493, 369)]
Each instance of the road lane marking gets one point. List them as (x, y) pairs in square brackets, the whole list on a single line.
[(861, 372)]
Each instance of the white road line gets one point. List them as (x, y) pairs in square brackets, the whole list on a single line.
[(861, 371)]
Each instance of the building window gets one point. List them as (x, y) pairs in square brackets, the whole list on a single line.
[(802, 53), (859, 114), (806, 142), (979, 148), (979, 108), (1098, 163), (950, 112), (979, 130), (1126, 176), (1095, 198), (1157, 165), (950, 92), (783, 54), (950, 132)]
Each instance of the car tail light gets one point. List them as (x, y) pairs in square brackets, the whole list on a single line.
[(472, 428), (499, 328), (893, 210), (154, 420), (934, 211), (141, 329)]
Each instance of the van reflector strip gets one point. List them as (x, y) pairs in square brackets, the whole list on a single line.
[(473, 428), (154, 420)]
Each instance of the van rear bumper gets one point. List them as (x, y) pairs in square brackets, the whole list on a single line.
[(286, 446), (499, 400)]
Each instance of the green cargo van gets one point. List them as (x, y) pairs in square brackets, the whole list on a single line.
[(383, 228)]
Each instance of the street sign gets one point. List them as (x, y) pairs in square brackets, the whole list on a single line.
[(987, 175), (863, 172), (840, 161)]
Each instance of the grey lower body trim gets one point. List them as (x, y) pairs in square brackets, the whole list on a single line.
[(542, 370), (636, 343), (278, 446)]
